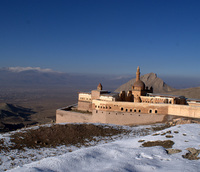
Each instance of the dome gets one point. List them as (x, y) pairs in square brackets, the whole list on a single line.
[(139, 84)]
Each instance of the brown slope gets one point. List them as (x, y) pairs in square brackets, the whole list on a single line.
[(193, 93), (13, 117), (150, 80)]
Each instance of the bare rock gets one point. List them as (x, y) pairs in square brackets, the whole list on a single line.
[(173, 151), (150, 80), (192, 155)]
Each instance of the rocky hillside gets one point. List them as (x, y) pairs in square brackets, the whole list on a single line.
[(193, 93), (13, 117), (150, 80)]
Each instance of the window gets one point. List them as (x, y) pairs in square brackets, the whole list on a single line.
[(126, 110), (109, 107), (134, 110), (139, 110), (130, 110), (122, 109), (156, 111), (96, 111), (150, 111)]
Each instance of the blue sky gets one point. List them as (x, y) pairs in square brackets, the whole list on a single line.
[(102, 36)]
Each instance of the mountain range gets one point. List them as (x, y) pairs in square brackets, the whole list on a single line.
[(31, 77)]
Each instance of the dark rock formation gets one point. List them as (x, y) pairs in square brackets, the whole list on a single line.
[(150, 80)]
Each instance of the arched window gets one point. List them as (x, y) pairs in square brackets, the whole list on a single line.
[(156, 111), (135, 110), (126, 110), (122, 108), (150, 111), (130, 110), (139, 110)]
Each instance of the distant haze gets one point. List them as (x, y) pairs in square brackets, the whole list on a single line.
[(31, 76)]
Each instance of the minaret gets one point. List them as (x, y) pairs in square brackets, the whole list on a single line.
[(138, 74), (99, 87)]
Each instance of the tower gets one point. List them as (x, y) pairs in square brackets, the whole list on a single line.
[(139, 88), (99, 87), (138, 74)]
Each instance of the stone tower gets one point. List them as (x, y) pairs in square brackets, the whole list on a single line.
[(99, 87), (138, 74), (139, 88)]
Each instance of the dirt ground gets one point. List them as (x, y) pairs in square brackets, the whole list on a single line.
[(56, 135)]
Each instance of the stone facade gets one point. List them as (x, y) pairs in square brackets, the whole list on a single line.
[(137, 106)]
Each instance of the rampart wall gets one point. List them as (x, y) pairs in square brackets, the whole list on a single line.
[(118, 118), (130, 107), (84, 106), (184, 110), (63, 116), (127, 113), (126, 118)]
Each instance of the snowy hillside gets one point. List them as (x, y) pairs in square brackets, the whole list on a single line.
[(128, 154)]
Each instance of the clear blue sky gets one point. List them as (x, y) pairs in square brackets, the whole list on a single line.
[(102, 36)]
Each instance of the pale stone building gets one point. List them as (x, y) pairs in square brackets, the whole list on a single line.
[(137, 106)]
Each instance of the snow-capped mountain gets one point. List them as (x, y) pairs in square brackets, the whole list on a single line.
[(23, 69)]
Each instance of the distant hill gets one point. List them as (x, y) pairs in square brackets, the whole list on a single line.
[(150, 80), (193, 93), (159, 86), (32, 77), (13, 117)]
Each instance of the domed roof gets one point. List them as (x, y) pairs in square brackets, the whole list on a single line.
[(139, 84)]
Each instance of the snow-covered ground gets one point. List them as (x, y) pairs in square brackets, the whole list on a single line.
[(126, 154)]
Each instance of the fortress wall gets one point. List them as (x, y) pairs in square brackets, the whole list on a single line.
[(130, 107), (99, 116), (124, 118), (84, 106), (63, 116), (184, 110)]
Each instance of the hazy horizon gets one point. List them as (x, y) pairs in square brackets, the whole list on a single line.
[(178, 82)]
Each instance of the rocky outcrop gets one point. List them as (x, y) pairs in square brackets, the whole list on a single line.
[(192, 154), (150, 80)]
